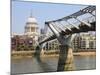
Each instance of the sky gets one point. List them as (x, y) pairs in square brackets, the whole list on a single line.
[(41, 11)]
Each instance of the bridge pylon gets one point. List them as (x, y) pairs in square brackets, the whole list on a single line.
[(65, 61)]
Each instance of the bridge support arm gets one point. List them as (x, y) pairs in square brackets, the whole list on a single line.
[(88, 24), (53, 29)]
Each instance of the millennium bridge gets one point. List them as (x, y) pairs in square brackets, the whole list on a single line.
[(64, 30)]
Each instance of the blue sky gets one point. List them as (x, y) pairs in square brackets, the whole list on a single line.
[(41, 11)]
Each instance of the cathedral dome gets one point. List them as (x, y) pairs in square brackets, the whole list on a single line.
[(31, 20)]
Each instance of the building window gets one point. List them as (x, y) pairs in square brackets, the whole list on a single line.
[(27, 29), (32, 29)]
